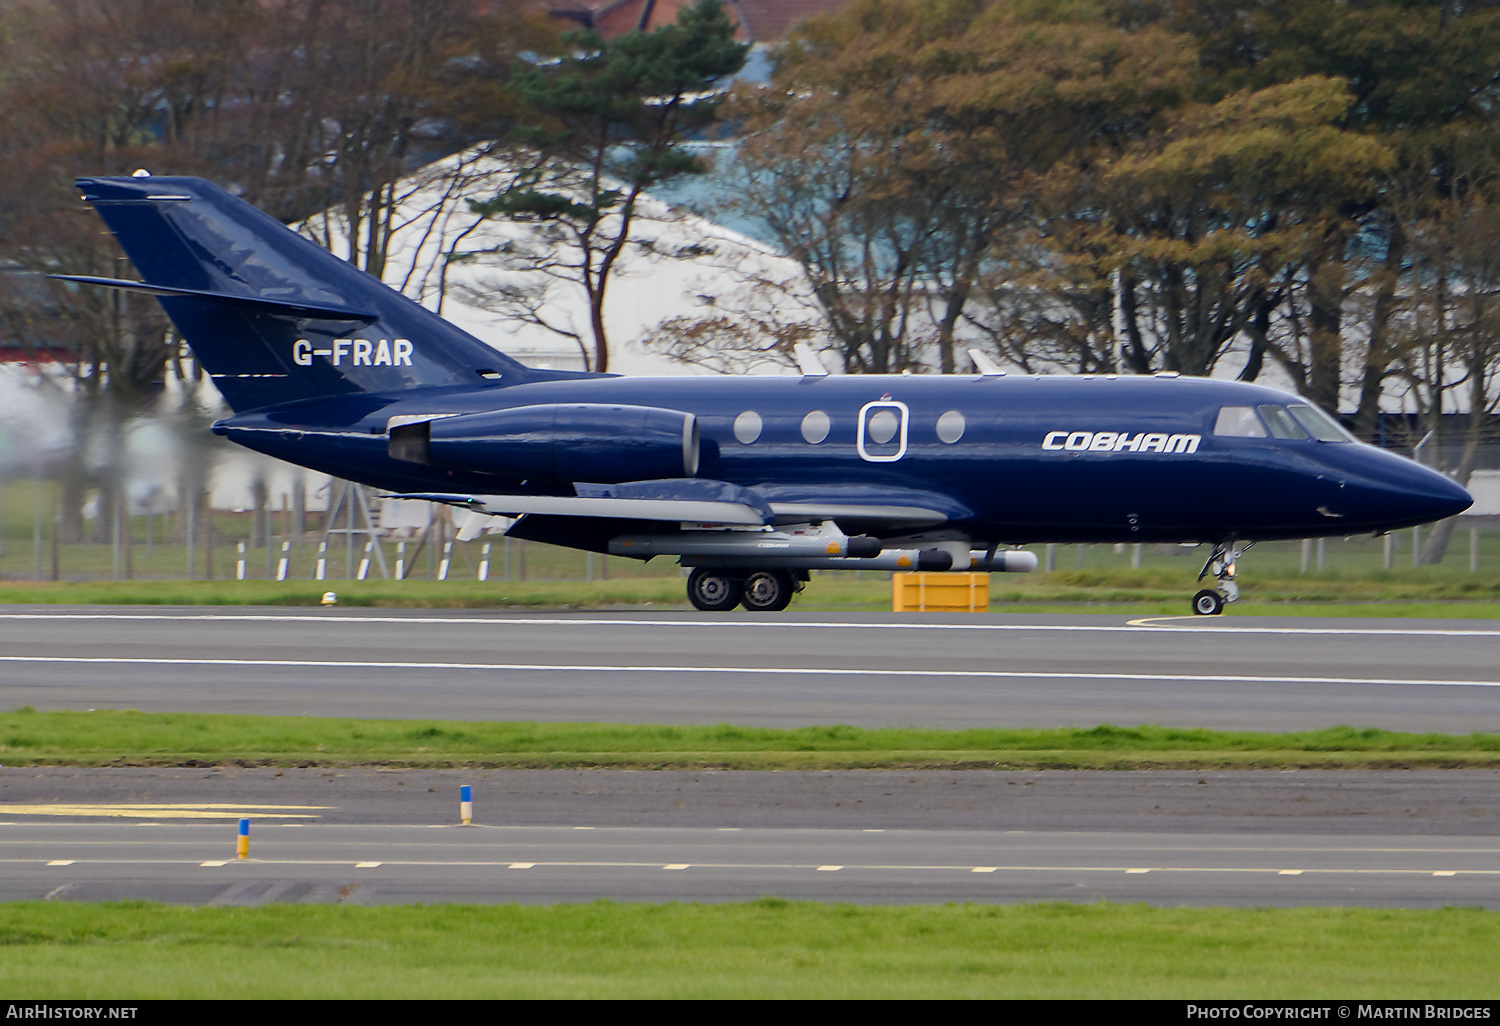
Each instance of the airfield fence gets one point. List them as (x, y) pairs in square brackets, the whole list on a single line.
[(226, 545)]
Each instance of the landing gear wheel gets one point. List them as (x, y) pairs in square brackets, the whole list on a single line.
[(1222, 564), (712, 590), (768, 591), (1208, 603)]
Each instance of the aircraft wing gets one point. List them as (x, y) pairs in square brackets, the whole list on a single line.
[(588, 506), (702, 501), (671, 499)]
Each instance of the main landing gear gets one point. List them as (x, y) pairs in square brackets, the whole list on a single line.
[(1210, 601), (716, 590)]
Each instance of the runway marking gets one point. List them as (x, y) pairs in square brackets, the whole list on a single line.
[(804, 671), (1216, 626), (11, 844), (804, 867), (134, 811)]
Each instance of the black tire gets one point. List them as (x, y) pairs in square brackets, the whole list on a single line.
[(1208, 603), (768, 591), (713, 591)]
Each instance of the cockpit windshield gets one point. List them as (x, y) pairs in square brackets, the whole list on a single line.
[(1319, 424), (1281, 422), (1300, 421)]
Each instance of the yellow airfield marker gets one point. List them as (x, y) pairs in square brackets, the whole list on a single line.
[(196, 810)]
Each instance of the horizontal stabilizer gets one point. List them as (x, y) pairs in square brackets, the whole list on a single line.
[(319, 311)]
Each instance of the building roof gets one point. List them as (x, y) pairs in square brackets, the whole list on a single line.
[(760, 21), (769, 21)]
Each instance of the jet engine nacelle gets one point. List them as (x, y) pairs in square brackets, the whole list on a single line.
[(607, 444)]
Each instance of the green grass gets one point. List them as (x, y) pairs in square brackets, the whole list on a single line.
[(1055, 593), (113, 738), (769, 948), (388, 594), (1354, 580)]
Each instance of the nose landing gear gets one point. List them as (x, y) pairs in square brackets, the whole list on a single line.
[(1210, 601)]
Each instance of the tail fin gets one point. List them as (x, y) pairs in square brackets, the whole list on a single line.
[(271, 316)]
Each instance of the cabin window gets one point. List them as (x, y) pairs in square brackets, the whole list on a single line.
[(815, 427), (950, 426), (1281, 423), (882, 426), (1320, 425), (1239, 422), (747, 427)]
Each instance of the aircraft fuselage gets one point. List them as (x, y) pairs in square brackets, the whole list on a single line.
[(1006, 459)]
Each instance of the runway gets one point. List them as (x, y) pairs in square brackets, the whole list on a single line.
[(1396, 839), (790, 670)]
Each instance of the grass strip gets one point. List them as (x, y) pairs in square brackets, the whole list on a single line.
[(1134, 592), (770, 948), (115, 738)]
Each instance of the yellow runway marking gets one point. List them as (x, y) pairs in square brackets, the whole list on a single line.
[(211, 810), (1152, 621)]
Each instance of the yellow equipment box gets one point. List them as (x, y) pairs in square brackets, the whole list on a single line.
[(940, 593)]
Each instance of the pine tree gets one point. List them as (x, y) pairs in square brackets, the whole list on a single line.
[(606, 124)]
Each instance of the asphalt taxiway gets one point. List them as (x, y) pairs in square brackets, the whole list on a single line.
[(1386, 839)]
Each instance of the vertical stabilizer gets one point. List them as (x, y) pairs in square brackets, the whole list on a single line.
[(271, 316)]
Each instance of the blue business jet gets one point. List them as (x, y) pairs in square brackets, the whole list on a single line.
[(751, 482)]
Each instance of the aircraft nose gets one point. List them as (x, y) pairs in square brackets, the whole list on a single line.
[(1413, 494), (1443, 497)]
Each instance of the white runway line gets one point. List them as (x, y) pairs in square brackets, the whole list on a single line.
[(394, 864), (1140, 625), (762, 671)]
